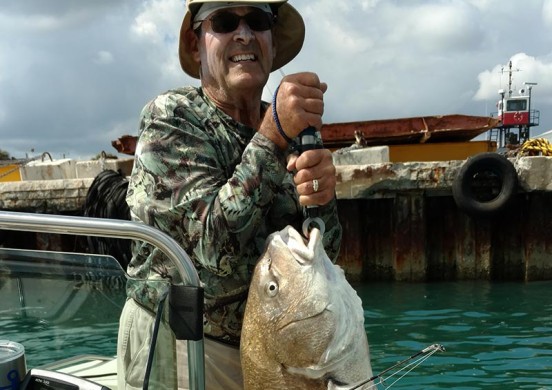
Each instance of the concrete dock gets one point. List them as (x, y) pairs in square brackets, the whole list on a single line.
[(400, 221)]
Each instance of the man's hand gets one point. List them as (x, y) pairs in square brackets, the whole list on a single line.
[(310, 165), (299, 104)]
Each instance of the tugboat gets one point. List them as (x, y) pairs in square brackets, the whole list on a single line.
[(515, 115)]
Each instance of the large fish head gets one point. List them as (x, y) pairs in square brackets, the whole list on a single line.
[(303, 321), (290, 298)]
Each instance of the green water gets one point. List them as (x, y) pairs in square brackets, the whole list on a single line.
[(79, 325), (496, 335)]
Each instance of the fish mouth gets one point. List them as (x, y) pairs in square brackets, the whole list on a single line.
[(307, 318), (324, 368)]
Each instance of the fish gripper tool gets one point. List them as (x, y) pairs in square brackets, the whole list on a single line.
[(308, 140)]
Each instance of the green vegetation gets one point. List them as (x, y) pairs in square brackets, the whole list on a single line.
[(5, 155)]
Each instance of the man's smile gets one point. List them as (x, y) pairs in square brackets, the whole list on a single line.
[(243, 57)]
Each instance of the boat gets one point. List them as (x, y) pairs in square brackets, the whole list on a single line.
[(27, 277), (413, 130)]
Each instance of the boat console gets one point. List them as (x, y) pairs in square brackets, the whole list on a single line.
[(37, 379)]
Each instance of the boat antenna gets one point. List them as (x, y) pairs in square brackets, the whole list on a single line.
[(510, 71)]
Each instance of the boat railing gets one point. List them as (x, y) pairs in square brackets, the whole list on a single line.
[(99, 227), (534, 117)]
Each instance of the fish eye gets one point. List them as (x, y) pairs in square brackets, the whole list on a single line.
[(272, 288)]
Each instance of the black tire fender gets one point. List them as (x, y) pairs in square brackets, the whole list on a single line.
[(483, 169)]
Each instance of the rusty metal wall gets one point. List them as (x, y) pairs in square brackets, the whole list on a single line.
[(413, 237)]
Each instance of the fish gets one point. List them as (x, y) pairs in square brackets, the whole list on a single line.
[(303, 325)]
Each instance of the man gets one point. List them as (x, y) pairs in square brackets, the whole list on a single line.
[(213, 169)]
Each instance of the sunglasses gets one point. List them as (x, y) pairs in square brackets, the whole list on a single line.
[(225, 22)]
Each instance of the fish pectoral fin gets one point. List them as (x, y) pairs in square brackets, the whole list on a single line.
[(337, 385)]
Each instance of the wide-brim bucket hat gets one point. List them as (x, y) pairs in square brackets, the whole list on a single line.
[(288, 33)]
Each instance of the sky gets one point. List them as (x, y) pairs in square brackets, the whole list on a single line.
[(74, 75)]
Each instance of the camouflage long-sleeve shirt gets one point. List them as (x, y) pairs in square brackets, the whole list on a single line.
[(219, 188)]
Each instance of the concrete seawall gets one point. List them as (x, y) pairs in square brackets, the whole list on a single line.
[(400, 222)]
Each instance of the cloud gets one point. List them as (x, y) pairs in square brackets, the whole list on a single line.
[(431, 27), (525, 68), (159, 20), (36, 16), (74, 75), (103, 58), (157, 29), (392, 58), (547, 12)]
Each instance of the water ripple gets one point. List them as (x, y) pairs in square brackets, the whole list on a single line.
[(496, 335)]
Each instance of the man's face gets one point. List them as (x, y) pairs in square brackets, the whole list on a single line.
[(239, 59)]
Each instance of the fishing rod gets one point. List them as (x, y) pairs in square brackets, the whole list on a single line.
[(426, 352)]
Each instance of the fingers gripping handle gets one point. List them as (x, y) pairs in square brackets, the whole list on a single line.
[(308, 140)]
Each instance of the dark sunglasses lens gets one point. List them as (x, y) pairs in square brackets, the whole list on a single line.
[(225, 22), (258, 20)]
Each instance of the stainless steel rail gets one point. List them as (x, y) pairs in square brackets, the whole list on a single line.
[(84, 226)]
